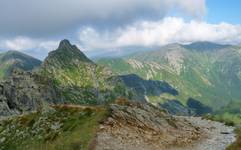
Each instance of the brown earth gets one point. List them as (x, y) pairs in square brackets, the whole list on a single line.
[(144, 127)]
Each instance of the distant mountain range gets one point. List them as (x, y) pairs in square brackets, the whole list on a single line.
[(67, 76), (70, 102), (205, 71), (14, 59)]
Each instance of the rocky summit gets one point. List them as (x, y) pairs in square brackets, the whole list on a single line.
[(65, 76), (66, 54), (68, 76), (80, 80)]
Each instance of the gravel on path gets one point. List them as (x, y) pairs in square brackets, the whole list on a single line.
[(216, 136)]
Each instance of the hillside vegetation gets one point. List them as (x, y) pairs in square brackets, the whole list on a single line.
[(204, 71), (61, 127), (14, 59), (80, 80)]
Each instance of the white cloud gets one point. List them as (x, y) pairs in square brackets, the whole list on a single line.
[(34, 47), (29, 17), (139, 34), (18, 43), (26, 43), (158, 33), (48, 45)]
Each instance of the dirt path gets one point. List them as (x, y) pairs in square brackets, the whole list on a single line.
[(216, 136)]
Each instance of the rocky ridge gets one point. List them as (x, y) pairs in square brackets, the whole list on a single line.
[(81, 80), (25, 92), (142, 127), (68, 76)]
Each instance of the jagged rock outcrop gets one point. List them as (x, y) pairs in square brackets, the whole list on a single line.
[(143, 126), (66, 76), (192, 108), (81, 81), (175, 107), (65, 55), (24, 92)]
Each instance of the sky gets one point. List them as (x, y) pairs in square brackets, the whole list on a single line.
[(115, 26), (224, 11)]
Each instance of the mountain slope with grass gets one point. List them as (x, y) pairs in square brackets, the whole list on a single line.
[(122, 124), (68, 76), (58, 127), (207, 72), (14, 59), (80, 80)]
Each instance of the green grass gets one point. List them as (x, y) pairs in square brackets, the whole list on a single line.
[(212, 78), (82, 82), (66, 128), (230, 114), (161, 99), (4, 68), (12, 59), (227, 119), (237, 144)]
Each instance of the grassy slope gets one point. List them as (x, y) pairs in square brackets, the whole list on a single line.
[(81, 81), (211, 77), (230, 114), (237, 144), (3, 69), (64, 128), (12, 59)]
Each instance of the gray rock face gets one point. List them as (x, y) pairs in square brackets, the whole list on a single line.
[(193, 108), (4, 108), (25, 91), (143, 127), (81, 81), (175, 107)]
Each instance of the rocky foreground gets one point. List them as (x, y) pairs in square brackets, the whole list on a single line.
[(216, 136), (120, 126), (144, 128)]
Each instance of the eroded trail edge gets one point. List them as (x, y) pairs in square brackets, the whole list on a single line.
[(215, 136)]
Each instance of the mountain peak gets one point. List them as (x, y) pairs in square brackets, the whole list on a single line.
[(205, 46), (67, 52), (15, 59), (64, 44), (13, 55)]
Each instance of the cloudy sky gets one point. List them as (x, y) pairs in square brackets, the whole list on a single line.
[(109, 26)]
